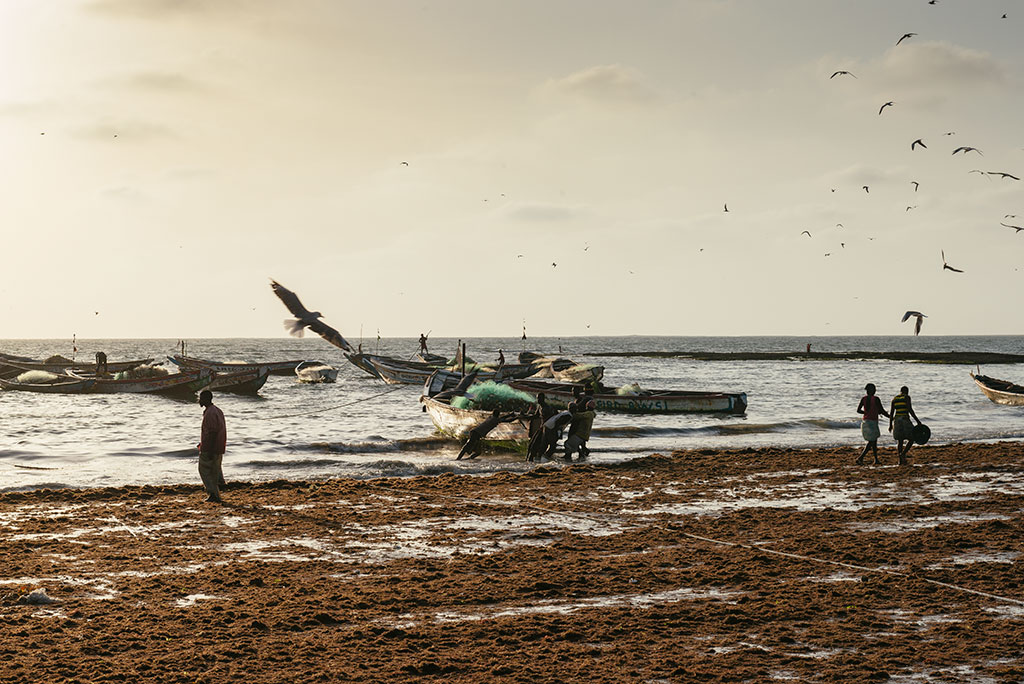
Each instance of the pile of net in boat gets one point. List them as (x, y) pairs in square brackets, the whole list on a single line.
[(141, 373), (628, 390), (487, 396), (58, 359), (36, 377)]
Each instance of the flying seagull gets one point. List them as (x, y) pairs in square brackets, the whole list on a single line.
[(866, 189), (553, 264), (920, 319), (912, 207), (726, 207), (405, 163), (947, 267), (840, 73), (918, 142), (1000, 173), (915, 184), (304, 318), (887, 104), (807, 232), (1016, 228), (840, 225), (965, 150), (904, 37)]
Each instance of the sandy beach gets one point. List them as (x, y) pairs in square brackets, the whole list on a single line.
[(705, 566)]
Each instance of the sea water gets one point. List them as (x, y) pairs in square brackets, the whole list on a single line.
[(360, 427)]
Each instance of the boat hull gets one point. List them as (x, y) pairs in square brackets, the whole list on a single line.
[(185, 382), (274, 367), (244, 382), (70, 386), (997, 390), (456, 423)]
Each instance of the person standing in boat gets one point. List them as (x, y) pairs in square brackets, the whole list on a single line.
[(423, 344), (101, 363), (212, 445), (473, 446), (900, 426), (870, 408)]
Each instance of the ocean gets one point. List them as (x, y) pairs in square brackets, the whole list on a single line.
[(362, 428)]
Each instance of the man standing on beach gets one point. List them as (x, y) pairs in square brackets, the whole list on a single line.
[(870, 407), (212, 444), (473, 446), (899, 423)]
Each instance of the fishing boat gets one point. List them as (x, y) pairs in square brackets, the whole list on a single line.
[(609, 399), (61, 384), (241, 382), (1000, 391), (184, 382), (456, 423), (413, 373), (60, 364), (273, 367), (562, 369), (316, 372)]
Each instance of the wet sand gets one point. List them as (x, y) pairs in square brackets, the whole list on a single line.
[(703, 566)]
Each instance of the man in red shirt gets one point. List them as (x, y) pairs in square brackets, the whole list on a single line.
[(213, 442)]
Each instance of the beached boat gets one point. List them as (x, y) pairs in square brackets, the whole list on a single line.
[(274, 367), (562, 369), (187, 381), (609, 399), (1000, 391), (241, 382), (61, 384), (316, 372), (456, 424)]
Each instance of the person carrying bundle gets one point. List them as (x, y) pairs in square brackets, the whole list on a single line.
[(579, 431)]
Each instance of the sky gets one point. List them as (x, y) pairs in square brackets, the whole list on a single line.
[(468, 166)]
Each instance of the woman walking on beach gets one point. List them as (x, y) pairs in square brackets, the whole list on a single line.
[(870, 407), (899, 423)]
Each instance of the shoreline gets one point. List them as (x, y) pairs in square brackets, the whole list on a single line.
[(707, 565)]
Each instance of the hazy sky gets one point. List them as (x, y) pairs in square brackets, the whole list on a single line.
[(389, 162)]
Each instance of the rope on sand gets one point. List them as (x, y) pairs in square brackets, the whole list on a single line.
[(337, 406), (721, 542)]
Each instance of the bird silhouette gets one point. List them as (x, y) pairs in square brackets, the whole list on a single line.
[(405, 163), (917, 325), (1016, 228), (904, 37), (1000, 173), (840, 73), (912, 207), (887, 104), (947, 267), (304, 318), (865, 188), (918, 142), (840, 225), (965, 150), (726, 207), (915, 184), (553, 264), (807, 232)]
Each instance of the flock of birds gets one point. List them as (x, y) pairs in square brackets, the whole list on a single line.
[(919, 143)]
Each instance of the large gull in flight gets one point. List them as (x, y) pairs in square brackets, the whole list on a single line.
[(304, 318)]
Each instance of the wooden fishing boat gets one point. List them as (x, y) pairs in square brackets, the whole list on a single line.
[(60, 385), (316, 372), (185, 382), (1000, 391), (562, 369), (365, 363), (63, 365), (456, 424), (412, 373), (645, 401), (273, 367), (241, 382)]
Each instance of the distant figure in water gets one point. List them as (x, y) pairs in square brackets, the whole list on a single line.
[(101, 363), (899, 423), (423, 344), (212, 445), (870, 407), (808, 347), (473, 447)]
